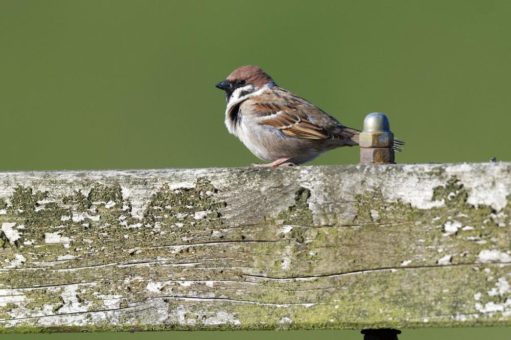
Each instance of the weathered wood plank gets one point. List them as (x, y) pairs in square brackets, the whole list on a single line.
[(305, 247)]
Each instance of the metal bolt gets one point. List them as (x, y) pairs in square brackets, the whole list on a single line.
[(376, 140), (377, 147)]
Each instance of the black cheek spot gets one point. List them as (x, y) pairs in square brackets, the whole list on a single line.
[(234, 114)]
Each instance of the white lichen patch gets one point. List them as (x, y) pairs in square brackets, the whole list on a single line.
[(216, 233), (418, 190), (179, 316), (154, 287), (500, 299), (10, 233), (482, 189), (71, 310), (286, 229), (109, 204), (445, 260), (69, 320), (134, 251), (285, 321), (181, 216), (502, 288), (56, 238), (460, 317), (493, 307), (286, 258), (138, 197), (185, 283), (8, 296), (134, 226), (199, 215), (451, 227), (71, 302), (17, 261), (412, 189), (112, 302), (66, 257), (375, 215), (493, 255), (79, 217), (222, 318), (500, 219)]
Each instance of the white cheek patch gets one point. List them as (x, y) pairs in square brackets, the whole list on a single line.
[(241, 92), (238, 96)]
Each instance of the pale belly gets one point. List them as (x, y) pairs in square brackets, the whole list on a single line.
[(269, 144)]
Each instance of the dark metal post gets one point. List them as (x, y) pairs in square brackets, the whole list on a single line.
[(381, 334), (377, 147), (376, 140)]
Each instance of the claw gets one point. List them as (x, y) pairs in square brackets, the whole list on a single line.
[(281, 162)]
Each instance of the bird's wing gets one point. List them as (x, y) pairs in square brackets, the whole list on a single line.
[(292, 115)]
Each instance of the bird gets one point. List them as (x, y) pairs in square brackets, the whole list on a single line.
[(276, 125)]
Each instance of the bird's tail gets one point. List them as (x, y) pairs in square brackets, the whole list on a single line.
[(352, 136), (398, 145)]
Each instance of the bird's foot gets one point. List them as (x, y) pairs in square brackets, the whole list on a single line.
[(281, 162)]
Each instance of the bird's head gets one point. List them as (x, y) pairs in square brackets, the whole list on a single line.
[(243, 81)]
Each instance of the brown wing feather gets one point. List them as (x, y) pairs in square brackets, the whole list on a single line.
[(293, 115), (296, 117), (305, 130)]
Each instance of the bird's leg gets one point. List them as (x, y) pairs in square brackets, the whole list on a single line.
[(281, 162)]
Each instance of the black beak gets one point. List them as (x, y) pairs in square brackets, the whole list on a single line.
[(223, 85)]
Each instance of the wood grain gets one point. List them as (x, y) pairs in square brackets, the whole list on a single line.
[(304, 247)]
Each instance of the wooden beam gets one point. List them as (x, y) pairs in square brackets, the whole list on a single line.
[(305, 247)]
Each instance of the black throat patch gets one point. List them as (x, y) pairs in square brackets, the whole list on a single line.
[(234, 114)]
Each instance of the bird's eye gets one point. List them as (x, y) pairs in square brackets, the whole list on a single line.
[(240, 83)]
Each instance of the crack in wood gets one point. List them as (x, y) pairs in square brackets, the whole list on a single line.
[(372, 270), (306, 247)]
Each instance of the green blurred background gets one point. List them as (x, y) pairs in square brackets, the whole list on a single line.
[(130, 84)]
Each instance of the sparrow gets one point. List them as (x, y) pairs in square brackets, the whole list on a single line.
[(276, 125)]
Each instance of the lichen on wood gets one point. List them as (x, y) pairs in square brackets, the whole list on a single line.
[(305, 247)]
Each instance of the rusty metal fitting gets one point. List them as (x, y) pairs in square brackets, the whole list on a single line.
[(376, 140)]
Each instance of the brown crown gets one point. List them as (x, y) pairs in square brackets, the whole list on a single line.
[(251, 75)]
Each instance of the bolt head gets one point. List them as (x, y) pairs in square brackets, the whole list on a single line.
[(376, 122)]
